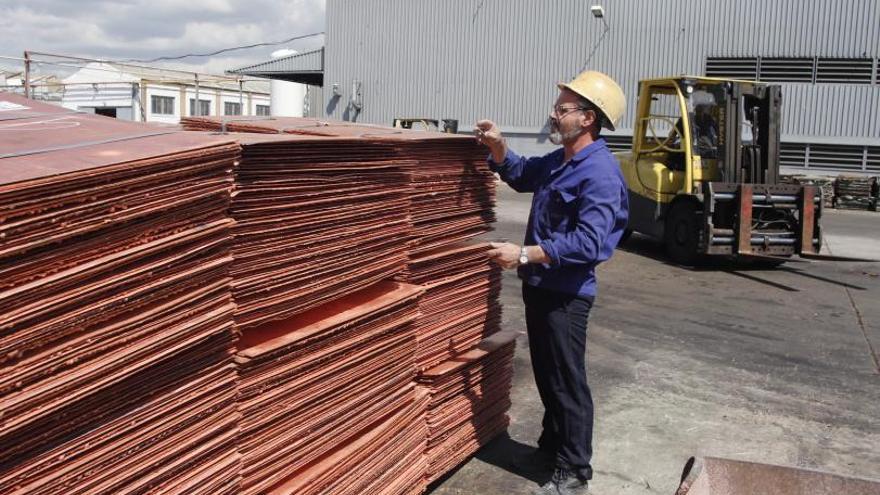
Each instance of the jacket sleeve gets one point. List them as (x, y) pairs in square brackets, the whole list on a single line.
[(599, 202), (520, 173)]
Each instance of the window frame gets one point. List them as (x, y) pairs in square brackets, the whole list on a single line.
[(162, 100), (202, 104), (235, 104)]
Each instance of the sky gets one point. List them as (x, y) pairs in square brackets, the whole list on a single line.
[(144, 29)]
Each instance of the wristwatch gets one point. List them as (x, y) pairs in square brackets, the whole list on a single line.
[(523, 256)]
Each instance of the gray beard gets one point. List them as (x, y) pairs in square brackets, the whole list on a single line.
[(558, 138)]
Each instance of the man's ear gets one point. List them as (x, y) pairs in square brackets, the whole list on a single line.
[(588, 118)]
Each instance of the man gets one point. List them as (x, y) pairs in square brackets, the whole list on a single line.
[(578, 215)]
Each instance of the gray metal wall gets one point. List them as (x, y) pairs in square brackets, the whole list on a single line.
[(467, 59), (315, 101)]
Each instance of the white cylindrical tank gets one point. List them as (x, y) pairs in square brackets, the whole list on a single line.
[(287, 99)]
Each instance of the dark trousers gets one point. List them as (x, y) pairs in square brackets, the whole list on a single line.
[(557, 326)]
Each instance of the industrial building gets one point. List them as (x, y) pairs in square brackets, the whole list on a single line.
[(296, 80), (160, 95), (500, 59)]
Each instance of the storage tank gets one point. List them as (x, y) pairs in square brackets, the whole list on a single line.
[(287, 99)]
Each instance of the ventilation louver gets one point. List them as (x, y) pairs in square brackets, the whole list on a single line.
[(734, 68), (786, 70), (844, 70)]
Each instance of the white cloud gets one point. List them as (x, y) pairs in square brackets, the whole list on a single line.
[(144, 29)]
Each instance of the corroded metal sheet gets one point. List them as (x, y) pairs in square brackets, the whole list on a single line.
[(715, 476), (470, 396), (453, 191), (314, 224), (116, 315), (461, 305), (316, 384)]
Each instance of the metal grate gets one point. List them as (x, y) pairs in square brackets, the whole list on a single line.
[(844, 70), (619, 143), (873, 162), (786, 70), (831, 70), (793, 155), (734, 68), (833, 157)]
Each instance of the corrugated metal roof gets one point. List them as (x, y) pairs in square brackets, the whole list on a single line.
[(306, 68), (110, 72)]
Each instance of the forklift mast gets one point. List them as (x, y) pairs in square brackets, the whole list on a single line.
[(749, 140), (748, 212)]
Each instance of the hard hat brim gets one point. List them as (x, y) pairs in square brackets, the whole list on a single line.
[(608, 124)]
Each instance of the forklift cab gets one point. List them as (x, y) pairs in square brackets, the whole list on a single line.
[(677, 137), (704, 169), (692, 131)]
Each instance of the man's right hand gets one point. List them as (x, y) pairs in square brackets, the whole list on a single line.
[(490, 135)]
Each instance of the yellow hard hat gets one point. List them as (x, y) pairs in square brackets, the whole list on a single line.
[(601, 91)]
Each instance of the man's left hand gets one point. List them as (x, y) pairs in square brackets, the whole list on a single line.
[(506, 254)]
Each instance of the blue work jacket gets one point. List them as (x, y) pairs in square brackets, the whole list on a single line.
[(579, 212)]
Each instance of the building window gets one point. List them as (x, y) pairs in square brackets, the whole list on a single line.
[(231, 108), (263, 110), (162, 105), (835, 70), (204, 107)]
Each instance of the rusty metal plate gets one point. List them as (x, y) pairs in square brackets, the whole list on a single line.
[(116, 314), (470, 396), (313, 384), (461, 304), (453, 193), (715, 476)]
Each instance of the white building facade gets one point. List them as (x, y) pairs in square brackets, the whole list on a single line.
[(160, 96)]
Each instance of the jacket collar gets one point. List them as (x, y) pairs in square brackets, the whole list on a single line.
[(581, 155)]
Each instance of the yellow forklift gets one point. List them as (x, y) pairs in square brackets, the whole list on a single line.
[(703, 173)]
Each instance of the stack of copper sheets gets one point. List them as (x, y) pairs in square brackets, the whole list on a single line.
[(461, 304), (470, 396), (386, 458), (116, 329), (453, 191), (328, 396), (263, 125), (314, 223)]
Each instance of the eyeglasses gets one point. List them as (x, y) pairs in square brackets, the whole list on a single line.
[(561, 111)]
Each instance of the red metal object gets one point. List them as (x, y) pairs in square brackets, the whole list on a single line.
[(807, 219), (715, 476), (461, 305), (744, 223), (116, 316), (313, 386), (470, 396), (453, 191)]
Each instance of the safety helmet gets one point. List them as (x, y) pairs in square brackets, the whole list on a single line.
[(602, 91)]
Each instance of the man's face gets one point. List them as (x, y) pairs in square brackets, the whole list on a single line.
[(567, 119)]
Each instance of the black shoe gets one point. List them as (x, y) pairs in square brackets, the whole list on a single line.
[(535, 461), (564, 482)]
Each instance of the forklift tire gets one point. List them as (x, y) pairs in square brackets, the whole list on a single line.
[(681, 235)]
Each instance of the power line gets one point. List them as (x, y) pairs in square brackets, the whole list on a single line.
[(204, 77), (224, 50)]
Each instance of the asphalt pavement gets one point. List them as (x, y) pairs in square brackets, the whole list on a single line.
[(769, 365)]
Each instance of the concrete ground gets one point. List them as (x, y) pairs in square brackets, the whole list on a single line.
[(770, 365)]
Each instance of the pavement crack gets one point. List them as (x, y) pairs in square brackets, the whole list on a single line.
[(864, 329), (861, 321)]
